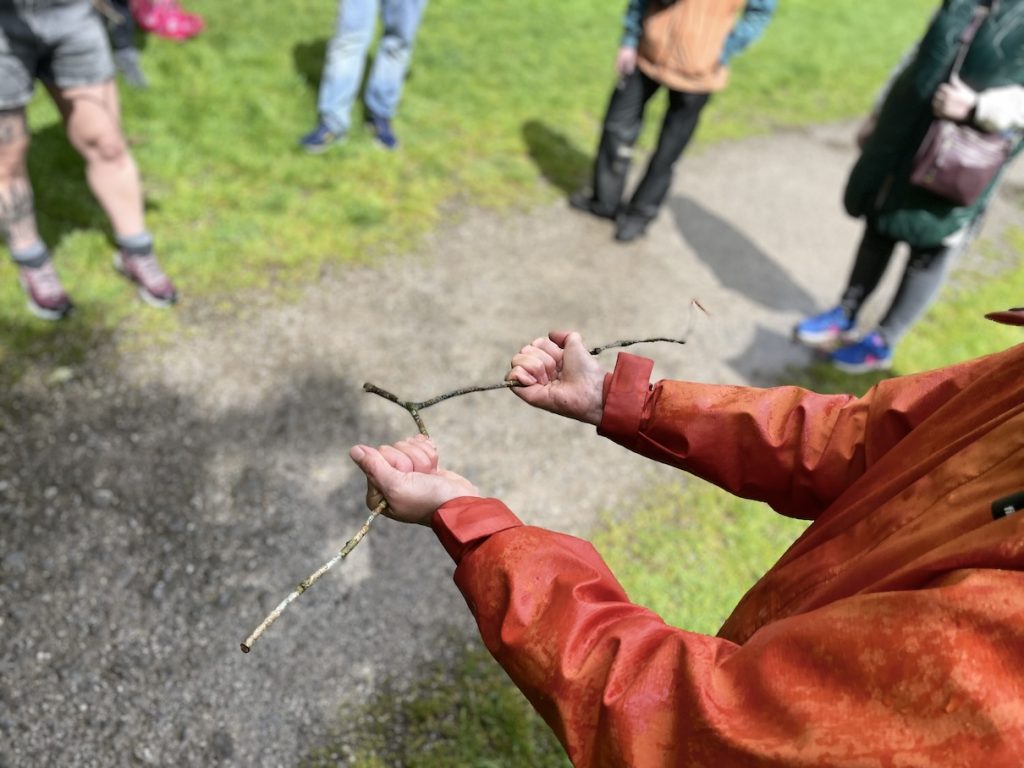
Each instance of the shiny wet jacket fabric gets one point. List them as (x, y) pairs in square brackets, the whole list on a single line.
[(890, 634)]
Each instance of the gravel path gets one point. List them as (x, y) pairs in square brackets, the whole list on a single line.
[(154, 507)]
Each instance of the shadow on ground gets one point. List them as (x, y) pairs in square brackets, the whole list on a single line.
[(737, 261), (139, 542), (308, 58), (557, 158)]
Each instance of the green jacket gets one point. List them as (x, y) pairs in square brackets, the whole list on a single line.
[(879, 186)]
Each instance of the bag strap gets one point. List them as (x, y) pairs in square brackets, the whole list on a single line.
[(983, 11)]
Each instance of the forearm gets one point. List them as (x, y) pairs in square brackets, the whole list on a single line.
[(633, 23), (786, 446), (598, 669), (749, 28)]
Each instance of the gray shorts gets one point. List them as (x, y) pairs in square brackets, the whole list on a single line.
[(62, 44)]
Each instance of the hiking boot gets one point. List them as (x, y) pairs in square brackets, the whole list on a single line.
[(46, 296), (127, 62), (630, 227), (831, 325), (320, 139), (582, 200), (380, 127), (155, 288), (871, 353)]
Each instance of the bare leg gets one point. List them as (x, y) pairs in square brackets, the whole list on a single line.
[(17, 206), (93, 119), (92, 116)]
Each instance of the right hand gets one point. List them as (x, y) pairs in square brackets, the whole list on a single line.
[(625, 61), (560, 375)]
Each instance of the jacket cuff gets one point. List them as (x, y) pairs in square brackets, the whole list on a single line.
[(626, 391), (463, 523)]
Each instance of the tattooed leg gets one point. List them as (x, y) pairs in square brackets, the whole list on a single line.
[(17, 205)]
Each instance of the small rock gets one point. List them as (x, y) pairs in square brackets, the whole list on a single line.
[(15, 563), (60, 375)]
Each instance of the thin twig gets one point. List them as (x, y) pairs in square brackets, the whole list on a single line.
[(312, 579), (413, 407), (631, 342)]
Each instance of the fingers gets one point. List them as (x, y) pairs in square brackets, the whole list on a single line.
[(383, 465), (379, 472), (539, 361), (396, 458), (414, 454), (420, 450)]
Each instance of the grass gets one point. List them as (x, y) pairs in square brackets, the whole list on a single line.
[(502, 109)]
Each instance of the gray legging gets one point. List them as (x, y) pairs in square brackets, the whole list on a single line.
[(925, 273)]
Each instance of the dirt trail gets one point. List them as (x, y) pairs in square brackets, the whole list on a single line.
[(170, 499)]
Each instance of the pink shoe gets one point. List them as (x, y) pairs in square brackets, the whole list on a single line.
[(165, 18), (45, 294), (155, 288)]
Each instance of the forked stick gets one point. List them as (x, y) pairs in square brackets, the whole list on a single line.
[(413, 408)]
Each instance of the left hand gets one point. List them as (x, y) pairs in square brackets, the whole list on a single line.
[(408, 476), (954, 100)]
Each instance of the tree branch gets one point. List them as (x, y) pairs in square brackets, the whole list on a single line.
[(413, 409)]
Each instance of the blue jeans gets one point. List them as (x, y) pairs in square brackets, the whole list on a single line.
[(346, 56)]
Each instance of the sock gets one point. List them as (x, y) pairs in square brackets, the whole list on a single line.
[(136, 245), (33, 256)]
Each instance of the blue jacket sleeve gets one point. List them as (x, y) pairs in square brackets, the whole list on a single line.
[(633, 23), (751, 25)]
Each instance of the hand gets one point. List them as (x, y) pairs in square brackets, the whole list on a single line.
[(954, 100), (625, 61), (866, 129), (407, 475), (558, 374)]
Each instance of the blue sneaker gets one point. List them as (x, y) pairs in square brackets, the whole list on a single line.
[(869, 354), (320, 139), (826, 327), (381, 129)]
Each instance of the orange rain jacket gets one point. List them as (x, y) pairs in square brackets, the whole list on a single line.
[(890, 634)]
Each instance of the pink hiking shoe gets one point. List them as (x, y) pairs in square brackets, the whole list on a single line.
[(165, 18), (46, 296), (155, 287)]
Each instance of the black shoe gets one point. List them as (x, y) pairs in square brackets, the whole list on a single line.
[(629, 228), (584, 201)]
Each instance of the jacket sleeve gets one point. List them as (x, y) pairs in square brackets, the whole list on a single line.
[(749, 28), (633, 23), (790, 448), (914, 677)]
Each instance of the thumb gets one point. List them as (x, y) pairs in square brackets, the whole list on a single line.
[(374, 466)]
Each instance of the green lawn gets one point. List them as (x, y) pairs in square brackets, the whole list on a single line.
[(502, 109)]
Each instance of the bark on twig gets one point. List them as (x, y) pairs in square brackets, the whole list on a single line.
[(309, 581)]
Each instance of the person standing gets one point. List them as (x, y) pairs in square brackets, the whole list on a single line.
[(63, 43), (988, 93), (684, 46), (343, 70)]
